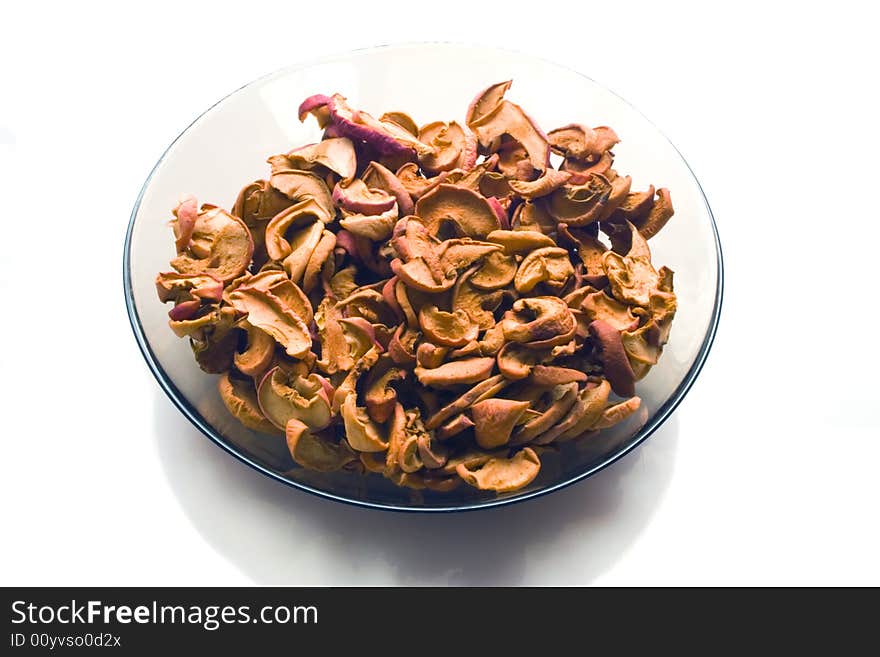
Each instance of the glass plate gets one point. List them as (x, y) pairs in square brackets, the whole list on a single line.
[(227, 146)]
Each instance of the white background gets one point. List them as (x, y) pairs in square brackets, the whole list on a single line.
[(766, 474)]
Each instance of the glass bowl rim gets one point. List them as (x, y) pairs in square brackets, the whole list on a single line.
[(183, 405)]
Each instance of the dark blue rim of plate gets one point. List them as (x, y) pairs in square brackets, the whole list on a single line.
[(178, 399)]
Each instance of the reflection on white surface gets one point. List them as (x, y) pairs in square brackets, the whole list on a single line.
[(277, 535)]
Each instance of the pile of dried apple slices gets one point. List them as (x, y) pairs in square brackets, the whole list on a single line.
[(434, 303)]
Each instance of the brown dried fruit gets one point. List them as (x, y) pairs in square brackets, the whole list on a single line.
[(454, 147), (453, 329), (503, 475), (240, 397), (549, 265), (219, 245), (255, 358), (539, 322), (494, 420), (314, 452), (466, 209), (582, 143), (617, 368), (458, 248), (269, 313), (362, 433), (457, 372)]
